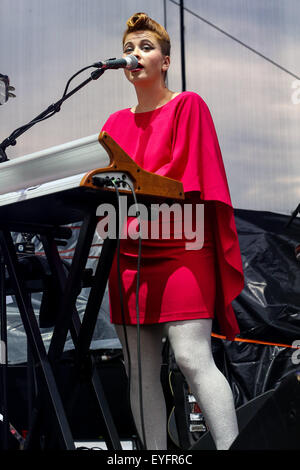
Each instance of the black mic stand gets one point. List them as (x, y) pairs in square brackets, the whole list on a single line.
[(50, 111), (11, 140)]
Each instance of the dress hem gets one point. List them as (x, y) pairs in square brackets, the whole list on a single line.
[(166, 319)]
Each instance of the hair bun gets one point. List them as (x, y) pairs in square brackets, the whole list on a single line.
[(137, 19)]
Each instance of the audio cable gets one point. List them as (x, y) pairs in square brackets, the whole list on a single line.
[(116, 184), (138, 315)]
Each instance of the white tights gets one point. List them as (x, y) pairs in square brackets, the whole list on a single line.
[(191, 343)]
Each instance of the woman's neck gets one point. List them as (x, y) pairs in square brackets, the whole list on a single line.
[(150, 98)]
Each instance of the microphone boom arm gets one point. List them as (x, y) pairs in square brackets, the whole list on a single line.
[(50, 111)]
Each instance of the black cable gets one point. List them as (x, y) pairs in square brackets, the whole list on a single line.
[(116, 183), (137, 307), (49, 112), (183, 77), (55, 109), (73, 76), (138, 317), (237, 40), (120, 289), (29, 125)]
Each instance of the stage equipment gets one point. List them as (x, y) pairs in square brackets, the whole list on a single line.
[(5, 89), (41, 196), (270, 421)]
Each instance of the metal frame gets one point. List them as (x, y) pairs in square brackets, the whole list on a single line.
[(56, 427)]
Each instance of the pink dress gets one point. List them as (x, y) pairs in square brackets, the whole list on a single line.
[(178, 140)]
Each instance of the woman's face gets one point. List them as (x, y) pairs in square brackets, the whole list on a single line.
[(152, 63)]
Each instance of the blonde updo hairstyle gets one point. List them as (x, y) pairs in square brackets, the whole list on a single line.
[(143, 22)]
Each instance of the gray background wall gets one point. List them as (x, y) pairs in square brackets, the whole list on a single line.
[(253, 103)]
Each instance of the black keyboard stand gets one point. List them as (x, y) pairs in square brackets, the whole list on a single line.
[(49, 427)]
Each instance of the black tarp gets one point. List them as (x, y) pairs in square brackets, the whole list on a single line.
[(268, 308), (268, 313)]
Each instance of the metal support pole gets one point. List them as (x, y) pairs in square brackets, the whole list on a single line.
[(182, 46)]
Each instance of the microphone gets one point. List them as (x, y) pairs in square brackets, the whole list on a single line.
[(130, 62)]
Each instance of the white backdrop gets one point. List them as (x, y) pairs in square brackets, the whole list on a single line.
[(253, 104)]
